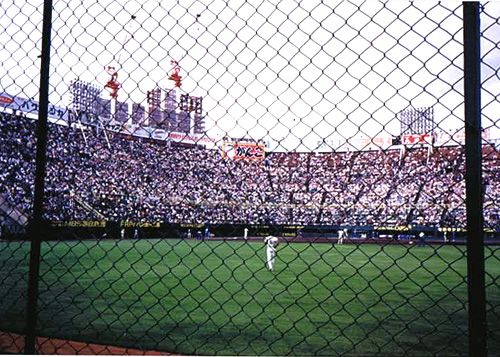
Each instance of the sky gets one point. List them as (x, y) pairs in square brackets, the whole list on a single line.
[(291, 72)]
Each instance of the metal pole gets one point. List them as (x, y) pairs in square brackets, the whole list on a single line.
[(473, 180), (36, 227)]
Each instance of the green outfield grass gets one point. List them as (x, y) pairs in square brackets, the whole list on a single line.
[(216, 297)]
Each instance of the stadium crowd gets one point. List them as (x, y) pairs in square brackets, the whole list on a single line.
[(137, 179)]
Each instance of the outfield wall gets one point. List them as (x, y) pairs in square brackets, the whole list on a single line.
[(64, 230)]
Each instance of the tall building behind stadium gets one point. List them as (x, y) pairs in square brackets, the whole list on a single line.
[(166, 108)]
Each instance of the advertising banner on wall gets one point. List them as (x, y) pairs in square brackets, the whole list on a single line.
[(243, 151), (31, 106), (413, 139)]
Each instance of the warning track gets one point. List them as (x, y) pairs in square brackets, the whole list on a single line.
[(14, 343)]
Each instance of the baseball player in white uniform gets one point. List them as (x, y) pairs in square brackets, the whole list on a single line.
[(342, 234), (271, 243)]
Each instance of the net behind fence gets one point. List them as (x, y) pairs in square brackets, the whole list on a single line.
[(245, 178)]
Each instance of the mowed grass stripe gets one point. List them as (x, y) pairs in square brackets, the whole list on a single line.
[(216, 297)]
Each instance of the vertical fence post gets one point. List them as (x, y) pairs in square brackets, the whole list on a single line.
[(36, 226), (473, 180)]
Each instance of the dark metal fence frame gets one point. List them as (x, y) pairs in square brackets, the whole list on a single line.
[(473, 180), (475, 242), (41, 161)]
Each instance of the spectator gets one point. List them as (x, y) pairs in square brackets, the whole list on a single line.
[(145, 180)]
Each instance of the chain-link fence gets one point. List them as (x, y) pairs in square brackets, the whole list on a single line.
[(249, 177)]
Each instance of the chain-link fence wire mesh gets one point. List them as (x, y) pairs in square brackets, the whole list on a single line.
[(491, 172), (182, 134), (16, 183)]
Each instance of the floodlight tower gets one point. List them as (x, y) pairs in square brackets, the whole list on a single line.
[(170, 100), (174, 75), (112, 86), (187, 106)]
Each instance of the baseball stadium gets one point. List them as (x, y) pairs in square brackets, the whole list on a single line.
[(250, 178)]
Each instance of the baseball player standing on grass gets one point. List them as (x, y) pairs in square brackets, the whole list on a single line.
[(271, 243)]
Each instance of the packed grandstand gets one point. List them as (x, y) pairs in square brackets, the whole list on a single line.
[(136, 179)]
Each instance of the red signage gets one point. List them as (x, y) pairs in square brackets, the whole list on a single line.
[(6, 100), (412, 139), (244, 151)]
